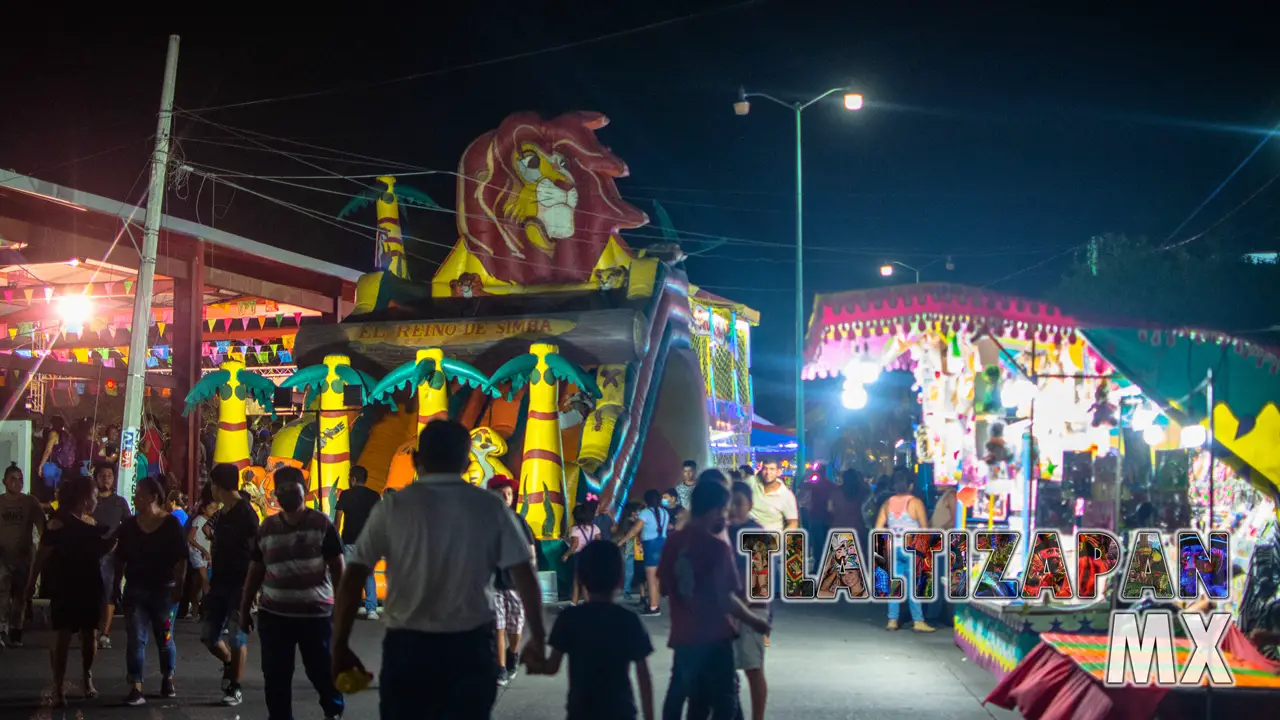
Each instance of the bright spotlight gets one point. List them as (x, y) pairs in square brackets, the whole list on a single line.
[(1016, 393), (855, 397), (863, 372), (886, 270), (74, 310), (1153, 435), (1143, 418), (1194, 436), (853, 101)]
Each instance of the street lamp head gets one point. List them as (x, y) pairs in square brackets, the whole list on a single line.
[(853, 101), (886, 270), (742, 107)]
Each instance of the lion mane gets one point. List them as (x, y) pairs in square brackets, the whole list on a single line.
[(493, 216)]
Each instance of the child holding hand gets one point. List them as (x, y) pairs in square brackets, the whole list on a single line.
[(603, 640)]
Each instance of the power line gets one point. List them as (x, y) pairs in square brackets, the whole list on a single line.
[(483, 63), (1033, 266), (1224, 218), (76, 161), (1256, 149)]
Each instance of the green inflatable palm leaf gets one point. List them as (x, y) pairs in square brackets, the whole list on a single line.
[(664, 222), (308, 378), (359, 202), (259, 388), (414, 196), (467, 375), (410, 374), (361, 379), (516, 372), (565, 371), (206, 389)]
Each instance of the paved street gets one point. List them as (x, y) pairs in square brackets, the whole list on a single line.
[(827, 661)]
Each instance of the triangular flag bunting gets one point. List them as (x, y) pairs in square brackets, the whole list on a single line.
[(82, 355), (13, 333), (128, 286), (244, 323), (160, 326), (297, 318), (279, 319), (8, 295), (275, 347), (262, 322), (29, 293), (105, 353), (48, 294), (212, 324)]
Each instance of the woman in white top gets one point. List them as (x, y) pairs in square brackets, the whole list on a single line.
[(651, 525), (199, 547)]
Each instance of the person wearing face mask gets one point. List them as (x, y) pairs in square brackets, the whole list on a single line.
[(297, 562)]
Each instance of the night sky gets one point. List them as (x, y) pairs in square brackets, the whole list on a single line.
[(1001, 136)]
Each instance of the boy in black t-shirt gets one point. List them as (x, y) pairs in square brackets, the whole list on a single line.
[(602, 640)]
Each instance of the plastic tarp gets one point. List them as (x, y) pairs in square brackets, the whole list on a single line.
[(1171, 368)]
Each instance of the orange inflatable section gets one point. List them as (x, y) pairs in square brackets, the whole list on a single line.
[(385, 439)]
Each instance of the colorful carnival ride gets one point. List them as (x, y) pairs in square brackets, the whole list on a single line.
[(1037, 419), (583, 367)]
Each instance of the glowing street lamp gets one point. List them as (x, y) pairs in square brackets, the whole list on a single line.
[(852, 101), (887, 269)]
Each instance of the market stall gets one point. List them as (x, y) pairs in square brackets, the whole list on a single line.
[(1026, 416)]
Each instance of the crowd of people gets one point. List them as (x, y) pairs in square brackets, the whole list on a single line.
[(462, 589)]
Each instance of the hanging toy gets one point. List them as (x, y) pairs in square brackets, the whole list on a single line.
[(997, 451), (1104, 411)]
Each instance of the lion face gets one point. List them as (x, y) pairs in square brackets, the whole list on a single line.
[(537, 201)]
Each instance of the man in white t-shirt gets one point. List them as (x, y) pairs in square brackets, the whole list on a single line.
[(775, 506), (443, 539)]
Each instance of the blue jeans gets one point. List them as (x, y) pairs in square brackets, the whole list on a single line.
[(902, 566), (222, 612), (370, 584), (628, 566), (704, 676), (281, 638), (149, 610), (452, 676)]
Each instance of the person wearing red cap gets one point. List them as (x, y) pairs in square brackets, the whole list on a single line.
[(507, 606)]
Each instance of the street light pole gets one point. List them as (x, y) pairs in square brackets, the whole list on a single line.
[(742, 107), (887, 269)]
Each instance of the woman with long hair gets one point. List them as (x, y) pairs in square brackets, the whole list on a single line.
[(70, 557), (58, 457), (651, 527), (152, 556), (903, 512)]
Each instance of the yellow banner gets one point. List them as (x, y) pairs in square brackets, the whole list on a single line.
[(462, 332)]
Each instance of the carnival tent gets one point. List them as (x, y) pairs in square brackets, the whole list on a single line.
[(769, 438)]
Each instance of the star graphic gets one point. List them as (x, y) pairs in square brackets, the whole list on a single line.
[(1056, 625), (1086, 625)]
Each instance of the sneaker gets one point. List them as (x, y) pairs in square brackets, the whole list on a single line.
[(651, 611), (512, 671), (503, 677), (232, 695), (362, 613), (373, 615), (893, 625), (104, 642), (135, 698), (921, 626), (167, 690)]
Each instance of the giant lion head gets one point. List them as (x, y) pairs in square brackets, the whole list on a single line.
[(537, 201)]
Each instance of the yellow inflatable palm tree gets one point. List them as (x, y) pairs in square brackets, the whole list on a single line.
[(542, 499), (330, 382), (390, 255), (428, 375), (233, 384)]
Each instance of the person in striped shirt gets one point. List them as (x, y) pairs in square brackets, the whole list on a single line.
[(297, 562)]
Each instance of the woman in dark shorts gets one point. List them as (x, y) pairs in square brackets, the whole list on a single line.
[(70, 556)]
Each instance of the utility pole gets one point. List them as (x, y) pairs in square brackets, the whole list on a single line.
[(136, 383)]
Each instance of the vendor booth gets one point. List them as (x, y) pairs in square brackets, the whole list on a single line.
[(1040, 421)]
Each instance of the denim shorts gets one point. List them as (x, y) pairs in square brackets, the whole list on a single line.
[(653, 551), (222, 611)]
